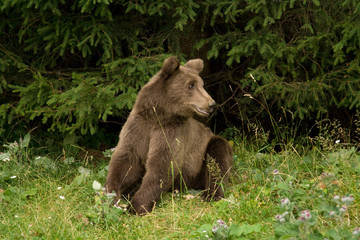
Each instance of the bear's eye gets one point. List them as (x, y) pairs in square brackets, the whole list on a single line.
[(191, 85)]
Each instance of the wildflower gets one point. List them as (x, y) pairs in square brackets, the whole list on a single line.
[(62, 197), (220, 222), (332, 213), (343, 209), (305, 215), (6, 159), (38, 157), (113, 149), (96, 185), (59, 188), (284, 202), (356, 231), (110, 195), (336, 198), (347, 200), (219, 226), (16, 216), (276, 171), (281, 217), (12, 177), (337, 141)]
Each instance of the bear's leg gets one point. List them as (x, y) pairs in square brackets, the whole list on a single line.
[(125, 170), (216, 169), (158, 179)]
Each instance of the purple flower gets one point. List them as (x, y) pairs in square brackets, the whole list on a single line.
[(343, 209), (220, 222), (284, 202), (305, 215)]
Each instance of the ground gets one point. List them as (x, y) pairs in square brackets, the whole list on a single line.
[(45, 198)]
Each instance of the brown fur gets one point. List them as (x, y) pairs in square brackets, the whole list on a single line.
[(162, 146)]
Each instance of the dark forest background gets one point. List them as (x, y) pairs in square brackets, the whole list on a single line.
[(71, 70)]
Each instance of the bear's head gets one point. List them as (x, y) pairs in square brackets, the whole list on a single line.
[(183, 88)]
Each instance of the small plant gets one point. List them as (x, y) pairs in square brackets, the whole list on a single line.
[(357, 128), (220, 230), (104, 210), (214, 168), (331, 135), (292, 222), (16, 151)]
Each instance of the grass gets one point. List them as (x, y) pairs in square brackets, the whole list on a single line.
[(54, 198)]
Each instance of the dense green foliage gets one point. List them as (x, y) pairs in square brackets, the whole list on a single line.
[(72, 64)]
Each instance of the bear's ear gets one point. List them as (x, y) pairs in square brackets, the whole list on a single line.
[(171, 64), (195, 64)]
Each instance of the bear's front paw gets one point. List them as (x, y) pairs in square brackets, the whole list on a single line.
[(140, 209)]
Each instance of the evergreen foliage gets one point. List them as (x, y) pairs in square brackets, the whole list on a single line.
[(71, 64)]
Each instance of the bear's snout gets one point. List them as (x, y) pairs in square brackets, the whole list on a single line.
[(212, 105)]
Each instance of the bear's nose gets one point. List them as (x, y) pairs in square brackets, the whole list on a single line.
[(212, 106)]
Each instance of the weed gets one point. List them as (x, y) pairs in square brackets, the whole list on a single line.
[(331, 135)]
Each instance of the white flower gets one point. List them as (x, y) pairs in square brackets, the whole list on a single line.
[(96, 186), (343, 209), (16, 216), (6, 159), (59, 188), (305, 215), (347, 200), (284, 202), (62, 197), (12, 177), (38, 157), (280, 218), (337, 141), (110, 195)]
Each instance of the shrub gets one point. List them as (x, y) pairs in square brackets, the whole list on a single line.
[(71, 64)]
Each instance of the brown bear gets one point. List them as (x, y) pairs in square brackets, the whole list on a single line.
[(162, 147)]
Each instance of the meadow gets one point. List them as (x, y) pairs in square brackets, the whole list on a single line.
[(300, 192)]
